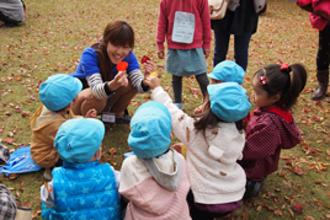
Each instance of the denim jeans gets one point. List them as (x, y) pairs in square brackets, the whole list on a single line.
[(241, 46)]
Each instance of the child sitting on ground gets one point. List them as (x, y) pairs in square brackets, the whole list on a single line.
[(271, 126), (225, 71), (56, 94), (214, 143), (154, 180), (83, 188)]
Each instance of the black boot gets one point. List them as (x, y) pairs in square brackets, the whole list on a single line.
[(321, 91)]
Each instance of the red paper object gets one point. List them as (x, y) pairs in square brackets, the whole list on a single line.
[(144, 59), (122, 66)]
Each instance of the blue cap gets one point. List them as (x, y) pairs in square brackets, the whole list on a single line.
[(227, 71), (229, 101), (58, 91), (151, 128), (77, 140)]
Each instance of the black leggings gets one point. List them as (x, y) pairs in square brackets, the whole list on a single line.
[(323, 53), (202, 80)]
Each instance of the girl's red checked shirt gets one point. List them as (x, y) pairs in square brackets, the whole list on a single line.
[(268, 131)]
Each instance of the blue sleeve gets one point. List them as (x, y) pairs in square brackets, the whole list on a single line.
[(88, 64), (133, 64)]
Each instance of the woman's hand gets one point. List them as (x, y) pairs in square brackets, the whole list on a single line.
[(161, 54), (149, 67), (119, 81), (152, 81)]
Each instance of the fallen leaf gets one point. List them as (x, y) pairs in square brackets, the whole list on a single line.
[(223, 173), (8, 141), (278, 212), (27, 205), (297, 208), (187, 134), (13, 176), (112, 151), (8, 113)]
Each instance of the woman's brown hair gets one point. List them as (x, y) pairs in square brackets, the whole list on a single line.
[(119, 33)]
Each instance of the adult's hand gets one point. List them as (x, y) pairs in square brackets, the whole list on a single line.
[(161, 54), (149, 67), (152, 81), (119, 81)]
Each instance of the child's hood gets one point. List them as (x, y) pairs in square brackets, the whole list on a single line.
[(290, 133), (166, 169), (225, 143), (287, 130)]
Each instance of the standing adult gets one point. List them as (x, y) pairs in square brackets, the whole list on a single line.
[(106, 89), (320, 21), (241, 20)]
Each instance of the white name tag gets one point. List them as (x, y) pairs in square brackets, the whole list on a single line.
[(184, 27), (107, 117)]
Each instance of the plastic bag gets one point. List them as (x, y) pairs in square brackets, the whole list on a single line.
[(20, 161)]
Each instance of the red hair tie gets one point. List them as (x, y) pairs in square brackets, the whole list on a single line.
[(122, 66), (262, 80), (284, 66)]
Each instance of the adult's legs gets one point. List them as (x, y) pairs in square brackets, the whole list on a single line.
[(221, 42), (322, 61), (85, 101), (241, 49), (122, 98), (177, 89)]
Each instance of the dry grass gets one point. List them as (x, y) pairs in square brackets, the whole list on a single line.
[(55, 34)]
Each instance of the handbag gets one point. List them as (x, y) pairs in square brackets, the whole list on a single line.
[(259, 5), (218, 9)]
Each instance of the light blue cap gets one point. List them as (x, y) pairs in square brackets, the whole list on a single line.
[(227, 71), (77, 140), (229, 101), (58, 91), (151, 128)]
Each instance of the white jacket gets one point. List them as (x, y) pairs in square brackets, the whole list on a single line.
[(215, 176)]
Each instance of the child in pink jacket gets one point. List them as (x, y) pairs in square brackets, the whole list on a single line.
[(186, 27), (155, 179)]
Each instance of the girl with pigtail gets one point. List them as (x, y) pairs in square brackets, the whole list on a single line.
[(271, 126)]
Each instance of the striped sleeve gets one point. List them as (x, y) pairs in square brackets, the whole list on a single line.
[(136, 78), (97, 85)]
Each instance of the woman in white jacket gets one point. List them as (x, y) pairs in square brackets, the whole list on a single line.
[(214, 144)]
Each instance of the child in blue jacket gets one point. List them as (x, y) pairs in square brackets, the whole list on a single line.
[(83, 188)]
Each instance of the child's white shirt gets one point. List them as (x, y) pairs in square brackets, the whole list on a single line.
[(215, 175)]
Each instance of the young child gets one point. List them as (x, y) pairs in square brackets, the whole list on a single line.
[(155, 179), (271, 126), (225, 71), (186, 27), (83, 188), (56, 94), (214, 143), (7, 200)]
